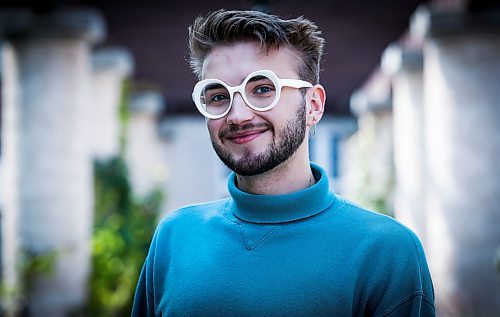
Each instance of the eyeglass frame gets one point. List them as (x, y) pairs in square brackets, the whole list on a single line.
[(279, 84)]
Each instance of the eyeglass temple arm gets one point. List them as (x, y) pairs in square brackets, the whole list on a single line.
[(296, 83)]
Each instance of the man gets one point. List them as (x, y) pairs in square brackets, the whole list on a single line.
[(283, 243)]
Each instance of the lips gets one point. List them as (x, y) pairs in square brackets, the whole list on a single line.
[(241, 134), (246, 136)]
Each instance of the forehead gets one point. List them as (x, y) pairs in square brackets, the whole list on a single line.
[(232, 63)]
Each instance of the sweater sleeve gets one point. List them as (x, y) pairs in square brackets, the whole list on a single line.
[(404, 284), (143, 305), (414, 306), (150, 279)]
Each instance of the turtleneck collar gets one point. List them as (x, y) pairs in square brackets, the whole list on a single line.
[(268, 209)]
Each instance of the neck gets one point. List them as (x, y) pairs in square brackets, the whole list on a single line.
[(290, 176)]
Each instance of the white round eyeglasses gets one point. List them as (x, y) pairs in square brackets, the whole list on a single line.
[(261, 91)]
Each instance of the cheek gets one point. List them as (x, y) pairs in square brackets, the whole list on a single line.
[(214, 126), (281, 113)]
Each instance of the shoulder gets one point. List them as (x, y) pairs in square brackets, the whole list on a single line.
[(192, 215), (194, 212), (184, 222), (384, 238), (378, 226), (391, 250)]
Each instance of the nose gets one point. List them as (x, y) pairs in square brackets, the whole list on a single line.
[(239, 112)]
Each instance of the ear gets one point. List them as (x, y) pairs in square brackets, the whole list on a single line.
[(316, 106)]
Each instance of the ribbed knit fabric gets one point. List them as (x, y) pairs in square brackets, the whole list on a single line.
[(309, 253)]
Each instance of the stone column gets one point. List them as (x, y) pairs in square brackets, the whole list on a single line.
[(370, 178), (9, 168), (145, 150), (403, 62), (462, 140), (195, 173), (55, 181), (111, 67)]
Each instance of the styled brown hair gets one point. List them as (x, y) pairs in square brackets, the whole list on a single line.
[(225, 27)]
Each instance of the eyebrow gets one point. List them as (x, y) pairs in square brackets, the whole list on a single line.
[(257, 78), (214, 86)]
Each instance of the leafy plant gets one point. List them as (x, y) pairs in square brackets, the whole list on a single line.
[(123, 227), (32, 265)]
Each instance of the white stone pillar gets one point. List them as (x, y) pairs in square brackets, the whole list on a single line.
[(9, 168), (145, 150), (462, 139), (55, 181), (195, 173), (111, 67), (369, 180), (404, 63)]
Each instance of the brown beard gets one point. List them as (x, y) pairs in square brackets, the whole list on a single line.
[(291, 137)]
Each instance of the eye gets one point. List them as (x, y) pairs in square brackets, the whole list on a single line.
[(215, 94), (218, 98), (263, 89)]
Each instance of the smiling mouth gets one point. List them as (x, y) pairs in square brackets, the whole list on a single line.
[(246, 136), (245, 133)]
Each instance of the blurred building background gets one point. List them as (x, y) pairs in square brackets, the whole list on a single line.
[(412, 129)]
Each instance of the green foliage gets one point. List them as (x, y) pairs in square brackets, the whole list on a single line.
[(372, 169), (124, 115), (32, 265), (35, 265), (123, 227), (374, 195)]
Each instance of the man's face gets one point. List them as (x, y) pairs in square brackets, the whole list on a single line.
[(250, 142)]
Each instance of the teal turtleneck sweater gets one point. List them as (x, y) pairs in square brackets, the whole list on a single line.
[(309, 253)]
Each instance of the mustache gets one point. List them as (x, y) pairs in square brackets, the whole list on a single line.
[(224, 133)]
